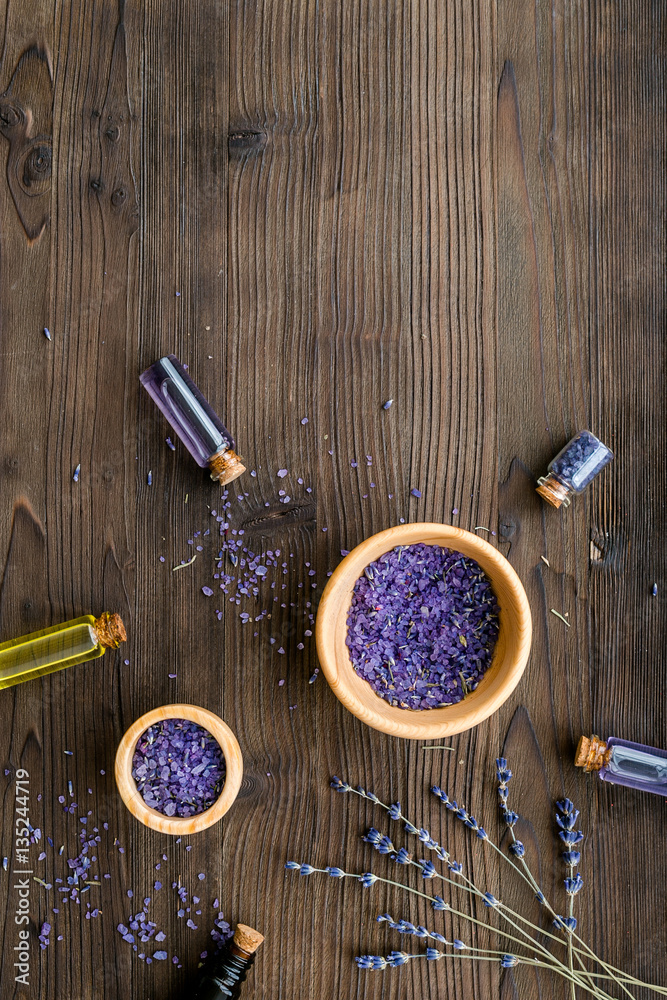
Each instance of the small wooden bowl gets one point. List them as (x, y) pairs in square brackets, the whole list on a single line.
[(130, 794), (509, 658)]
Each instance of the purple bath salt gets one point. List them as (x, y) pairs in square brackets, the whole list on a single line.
[(573, 468), (422, 626), (179, 767)]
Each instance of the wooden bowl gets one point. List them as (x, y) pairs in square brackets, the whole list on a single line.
[(130, 794), (509, 658)]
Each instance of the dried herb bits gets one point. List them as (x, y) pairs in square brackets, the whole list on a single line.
[(422, 626), (573, 468), (179, 768)]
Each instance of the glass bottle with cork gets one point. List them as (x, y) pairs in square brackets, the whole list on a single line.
[(193, 418), (59, 646), (573, 468), (621, 762), (223, 979)]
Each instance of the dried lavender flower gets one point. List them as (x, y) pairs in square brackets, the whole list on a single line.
[(422, 626)]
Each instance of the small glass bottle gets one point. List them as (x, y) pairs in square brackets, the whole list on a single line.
[(622, 763), (58, 647), (192, 417), (222, 981), (573, 468)]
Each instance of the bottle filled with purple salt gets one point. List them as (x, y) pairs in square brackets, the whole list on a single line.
[(573, 468), (624, 763)]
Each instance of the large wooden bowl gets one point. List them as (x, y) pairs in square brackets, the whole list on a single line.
[(130, 794), (509, 659)]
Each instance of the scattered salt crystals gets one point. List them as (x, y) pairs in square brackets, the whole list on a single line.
[(149, 479), (313, 678), (385, 406), (126, 662), (354, 465), (654, 590), (201, 878), (300, 645), (253, 473), (170, 444), (304, 420), (281, 682), (207, 591), (47, 333), (455, 511), (172, 676), (69, 752), (160, 955), (281, 650), (415, 493), (161, 558), (282, 473), (77, 472)]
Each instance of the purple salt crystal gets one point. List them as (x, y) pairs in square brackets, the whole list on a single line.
[(580, 461), (415, 493), (207, 591), (422, 626), (160, 955), (385, 406), (304, 420), (179, 768), (282, 473)]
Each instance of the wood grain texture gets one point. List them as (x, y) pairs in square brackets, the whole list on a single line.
[(320, 207)]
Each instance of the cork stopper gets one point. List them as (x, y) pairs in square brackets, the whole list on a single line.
[(110, 630), (246, 939), (591, 753), (225, 466), (553, 491)]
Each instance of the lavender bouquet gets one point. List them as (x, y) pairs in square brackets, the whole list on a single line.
[(521, 940)]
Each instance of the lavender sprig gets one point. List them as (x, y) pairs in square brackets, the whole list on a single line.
[(518, 852), (566, 818), (394, 811)]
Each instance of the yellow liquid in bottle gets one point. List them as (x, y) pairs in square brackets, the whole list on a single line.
[(52, 649)]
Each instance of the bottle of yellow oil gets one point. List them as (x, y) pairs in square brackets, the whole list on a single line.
[(58, 647)]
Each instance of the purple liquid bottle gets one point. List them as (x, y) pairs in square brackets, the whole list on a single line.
[(192, 417), (622, 763), (573, 468)]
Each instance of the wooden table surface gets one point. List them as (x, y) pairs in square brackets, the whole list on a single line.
[(318, 207)]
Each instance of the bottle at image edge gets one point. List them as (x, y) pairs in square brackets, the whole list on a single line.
[(223, 978), (621, 762), (57, 647)]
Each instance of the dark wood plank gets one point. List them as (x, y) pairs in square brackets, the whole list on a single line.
[(319, 208)]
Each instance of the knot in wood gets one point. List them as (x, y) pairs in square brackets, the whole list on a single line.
[(507, 527), (246, 140), (112, 133), (35, 168), (118, 197), (11, 114)]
